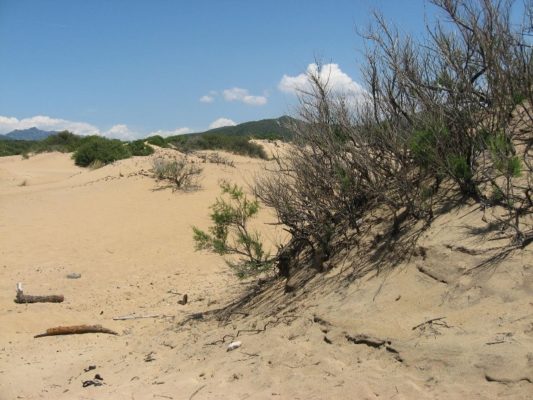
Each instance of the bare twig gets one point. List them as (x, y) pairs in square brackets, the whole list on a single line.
[(220, 341), (129, 317), (196, 391), (430, 274), (496, 342), (430, 321), (271, 322)]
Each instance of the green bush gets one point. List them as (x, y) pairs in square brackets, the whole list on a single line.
[(497, 195), (423, 146), (234, 144), (65, 142), (513, 167), (15, 147), (157, 141), (99, 148), (501, 150), (139, 148), (230, 233), (459, 167)]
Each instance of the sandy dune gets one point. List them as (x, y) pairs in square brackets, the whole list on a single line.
[(337, 337)]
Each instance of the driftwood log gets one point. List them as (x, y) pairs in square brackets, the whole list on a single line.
[(22, 298), (76, 330)]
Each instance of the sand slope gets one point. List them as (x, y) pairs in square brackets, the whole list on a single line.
[(337, 337)]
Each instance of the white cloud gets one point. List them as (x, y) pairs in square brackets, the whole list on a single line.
[(210, 97), (177, 131), (8, 124), (207, 99), (222, 122), (238, 94), (337, 81), (120, 131)]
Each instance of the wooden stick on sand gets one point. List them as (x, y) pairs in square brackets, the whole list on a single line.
[(75, 330), (26, 298)]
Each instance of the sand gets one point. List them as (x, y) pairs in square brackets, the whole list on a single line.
[(336, 337)]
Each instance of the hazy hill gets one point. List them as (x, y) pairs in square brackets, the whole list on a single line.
[(27, 134)]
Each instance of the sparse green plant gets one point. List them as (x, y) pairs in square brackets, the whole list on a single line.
[(459, 168), (230, 233), (503, 157), (497, 195)]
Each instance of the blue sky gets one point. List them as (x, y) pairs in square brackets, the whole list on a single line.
[(130, 68)]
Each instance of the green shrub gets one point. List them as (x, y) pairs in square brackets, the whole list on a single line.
[(427, 192), (501, 150), (497, 195), (139, 148), (99, 148), (459, 168), (234, 144), (423, 146), (157, 141), (518, 98), (15, 147), (230, 233), (65, 142), (513, 167)]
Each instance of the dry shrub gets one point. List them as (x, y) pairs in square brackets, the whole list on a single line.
[(452, 111), (216, 158), (182, 174)]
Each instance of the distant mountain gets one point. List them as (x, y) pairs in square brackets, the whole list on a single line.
[(27, 134), (235, 139), (265, 128)]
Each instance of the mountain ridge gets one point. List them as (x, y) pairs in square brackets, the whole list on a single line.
[(32, 133), (269, 128)]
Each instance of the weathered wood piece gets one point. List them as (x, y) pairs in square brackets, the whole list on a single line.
[(184, 300), (76, 330), (22, 298)]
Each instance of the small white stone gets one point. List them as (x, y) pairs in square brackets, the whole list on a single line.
[(234, 345)]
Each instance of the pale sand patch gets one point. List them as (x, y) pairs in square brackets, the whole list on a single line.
[(133, 244)]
